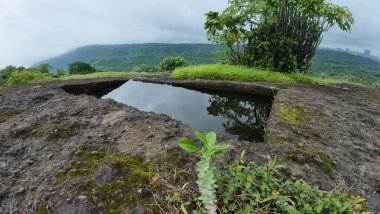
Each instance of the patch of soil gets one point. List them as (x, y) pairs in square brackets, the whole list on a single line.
[(59, 152)]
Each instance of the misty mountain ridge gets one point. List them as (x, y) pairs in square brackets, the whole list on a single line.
[(123, 57)]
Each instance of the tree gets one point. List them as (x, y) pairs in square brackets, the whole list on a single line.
[(172, 62), (277, 34), (44, 68), (81, 68)]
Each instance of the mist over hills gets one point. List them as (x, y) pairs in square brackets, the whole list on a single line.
[(326, 62)]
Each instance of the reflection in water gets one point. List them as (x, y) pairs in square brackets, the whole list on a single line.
[(233, 115), (245, 118)]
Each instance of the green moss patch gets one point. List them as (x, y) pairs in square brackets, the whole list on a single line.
[(64, 132), (7, 113), (128, 187), (37, 130), (295, 116), (307, 154)]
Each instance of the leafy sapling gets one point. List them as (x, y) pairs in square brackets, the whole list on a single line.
[(206, 175)]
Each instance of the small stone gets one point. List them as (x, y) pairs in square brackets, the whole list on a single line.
[(103, 175), (30, 162), (20, 191), (82, 197), (50, 156)]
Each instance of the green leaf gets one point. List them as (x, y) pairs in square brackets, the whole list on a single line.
[(211, 138), (201, 137), (206, 151), (222, 147), (219, 154), (188, 145)]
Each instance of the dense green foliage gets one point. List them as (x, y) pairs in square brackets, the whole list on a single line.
[(205, 167), (6, 73), (326, 63), (251, 188), (44, 68), (240, 73), (345, 66), (27, 76), (12, 76), (280, 35), (172, 62), (81, 68)]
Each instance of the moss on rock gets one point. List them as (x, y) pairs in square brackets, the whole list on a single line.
[(305, 154), (64, 132), (7, 113), (295, 116), (128, 188)]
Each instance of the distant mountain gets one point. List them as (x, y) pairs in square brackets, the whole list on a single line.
[(125, 57), (342, 65), (326, 63)]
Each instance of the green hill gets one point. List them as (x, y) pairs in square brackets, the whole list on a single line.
[(326, 63), (342, 65), (125, 57)]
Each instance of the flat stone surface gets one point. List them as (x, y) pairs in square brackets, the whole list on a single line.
[(328, 135)]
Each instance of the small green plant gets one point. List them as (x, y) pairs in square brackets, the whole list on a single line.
[(172, 62), (205, 167), (246, 187)]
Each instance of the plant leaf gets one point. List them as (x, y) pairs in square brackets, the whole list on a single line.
[(201, 137), (188, 145), (222, 147), (211, 138), (219, 154)]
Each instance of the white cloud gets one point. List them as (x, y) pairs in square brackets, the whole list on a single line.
[(31, 31)]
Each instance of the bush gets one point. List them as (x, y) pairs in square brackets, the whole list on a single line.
[(81, 68), (145, 68), (59, 73), (27, 76), (173, 62), (6, 73)]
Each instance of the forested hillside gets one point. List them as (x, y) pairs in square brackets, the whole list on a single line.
[(342, 65), (326, 63), (125, 57)]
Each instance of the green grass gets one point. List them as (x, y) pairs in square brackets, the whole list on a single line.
[(240, 73), (108, 74)]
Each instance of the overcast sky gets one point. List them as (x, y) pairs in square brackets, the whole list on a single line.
[(33, 30)]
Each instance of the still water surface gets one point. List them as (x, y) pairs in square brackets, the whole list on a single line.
[(236, 116)]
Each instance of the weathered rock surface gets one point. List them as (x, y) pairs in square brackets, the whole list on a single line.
[(328, 135)]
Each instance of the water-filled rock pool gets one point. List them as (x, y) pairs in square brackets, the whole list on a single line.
[(236, 116)]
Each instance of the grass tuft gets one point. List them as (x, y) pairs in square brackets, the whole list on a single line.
[(241, 73)]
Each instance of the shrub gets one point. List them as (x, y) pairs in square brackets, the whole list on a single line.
[(44, 68), (26, 76), (173, 62), (59, 73), (81, 68)]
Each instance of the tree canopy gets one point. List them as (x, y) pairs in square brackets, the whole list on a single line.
[(81, 68), (276, 34)]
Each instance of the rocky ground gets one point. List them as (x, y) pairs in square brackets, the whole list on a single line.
[(79, 154)]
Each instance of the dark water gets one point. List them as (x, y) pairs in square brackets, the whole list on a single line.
[(236, 116)]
